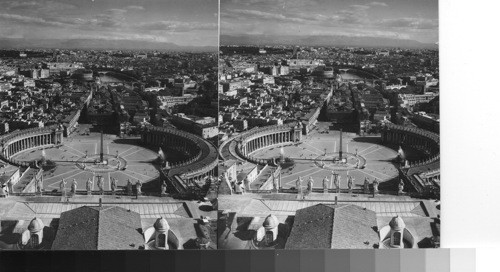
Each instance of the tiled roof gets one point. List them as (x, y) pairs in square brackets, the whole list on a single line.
[(333, 226), (98, 228), (312, 228), (354, 227)]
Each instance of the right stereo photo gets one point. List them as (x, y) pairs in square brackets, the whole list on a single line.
[(328, 125)]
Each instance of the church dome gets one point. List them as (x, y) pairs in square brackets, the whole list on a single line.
[(270, 222), (397, 223), (36, 225), (161, 224)]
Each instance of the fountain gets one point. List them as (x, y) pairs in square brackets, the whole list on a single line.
[(43, 159), (161, 154), (401, 152), (282, 154), (43, 162), (401, 157)]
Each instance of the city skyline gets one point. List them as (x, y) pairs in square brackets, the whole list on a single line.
[(179, 22), (397, 20)]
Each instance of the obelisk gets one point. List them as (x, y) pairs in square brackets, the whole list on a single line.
[(340, 147), (101, 155)]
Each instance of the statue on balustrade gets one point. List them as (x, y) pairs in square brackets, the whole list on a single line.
[(336, 181), (298, 185), (325, 184), (100, 184), (62, 186), (39, 186), (138, 187), (88, 186), (275, 183), (350, 181), (163, 188), (375, 186), (113, 186), (129, 187), (401, 186), (310, 183), (366, 186), (73, 187)]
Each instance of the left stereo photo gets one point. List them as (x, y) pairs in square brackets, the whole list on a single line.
[(108, 124)]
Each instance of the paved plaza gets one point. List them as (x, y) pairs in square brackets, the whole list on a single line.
[(138, 161), (311, 161)]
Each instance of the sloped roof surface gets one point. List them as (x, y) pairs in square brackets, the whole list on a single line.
[(98, 228), (333, 226)]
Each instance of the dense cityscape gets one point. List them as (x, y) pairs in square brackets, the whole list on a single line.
[(270, 125), (71, 96), (268, 88), (367, 118), (129, 89)]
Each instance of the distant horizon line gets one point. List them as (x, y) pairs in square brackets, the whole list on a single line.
[(99, 44), (98, 49), (436, 47), (343, 40), (208, 48)]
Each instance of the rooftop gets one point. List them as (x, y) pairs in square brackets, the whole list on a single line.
[(97, 228), (331, 226)]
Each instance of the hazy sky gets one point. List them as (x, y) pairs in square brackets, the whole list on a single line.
[(402, 19), (184, 22)]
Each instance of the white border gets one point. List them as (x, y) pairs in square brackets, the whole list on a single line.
[(470, 132)]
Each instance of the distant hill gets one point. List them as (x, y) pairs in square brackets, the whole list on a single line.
[(261, 40), (98, 44)]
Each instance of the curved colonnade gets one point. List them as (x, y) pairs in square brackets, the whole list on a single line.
[(255, 139), (28, 139), (202, 161), (419, 139), (420, 174)]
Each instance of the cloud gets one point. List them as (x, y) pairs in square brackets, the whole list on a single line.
[(176, 26), (359, 7), (366, 18), (379, 4), (21, 4), (360, 32), (132, 7), (112, 18), (41, 6), (116, 11), (270, 5), (412, 23), (258, 2), (260, 15), (354, 14), (60, 19), (28, 20), (40, 13)]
